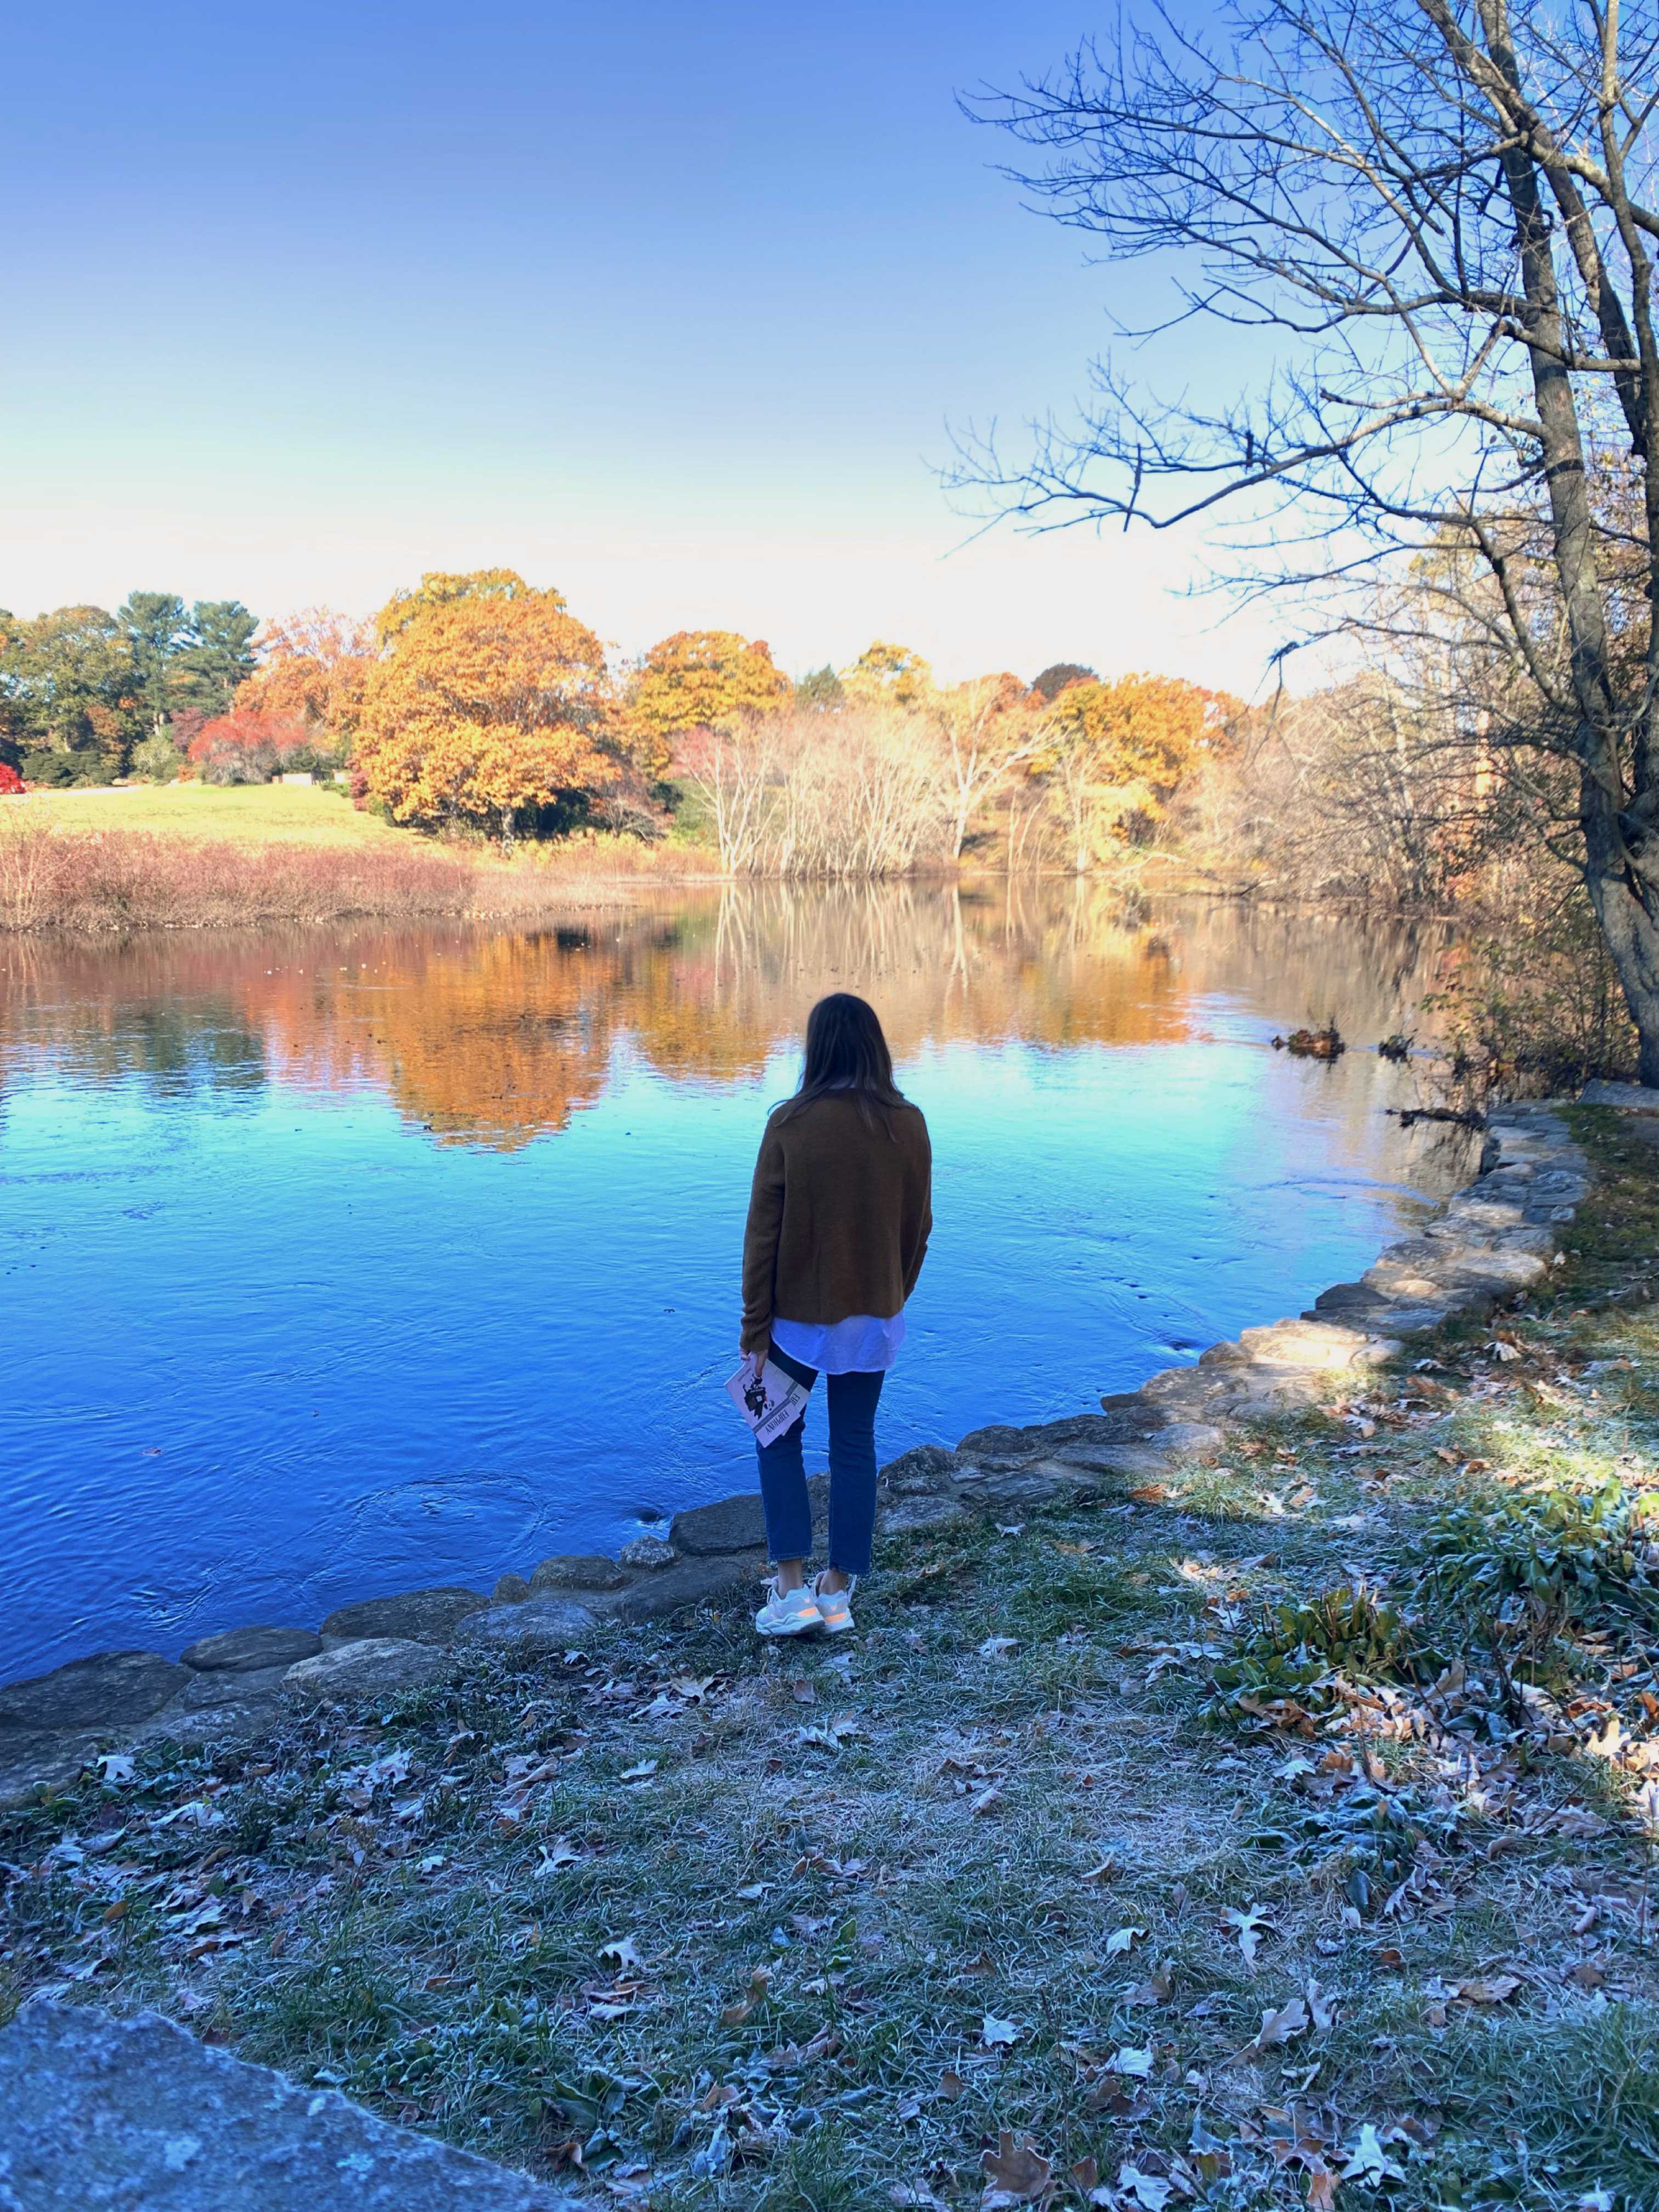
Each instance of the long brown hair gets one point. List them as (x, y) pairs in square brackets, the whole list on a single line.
[(846, 1051)]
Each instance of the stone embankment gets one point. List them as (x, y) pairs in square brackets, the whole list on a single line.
[(1495, 1237)]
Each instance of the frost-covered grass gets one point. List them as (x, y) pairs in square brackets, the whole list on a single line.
[(693, 1923)]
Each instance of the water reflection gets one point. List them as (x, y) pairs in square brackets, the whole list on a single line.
[(493, 1037)]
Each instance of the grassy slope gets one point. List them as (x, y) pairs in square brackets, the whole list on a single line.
[(833, 1871), (253, 814)]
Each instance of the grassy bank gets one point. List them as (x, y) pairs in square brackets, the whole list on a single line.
[(197, 856), (1118, 1857)]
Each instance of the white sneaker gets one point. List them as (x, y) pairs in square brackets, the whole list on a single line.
[(835, 1606), (789, 1613)]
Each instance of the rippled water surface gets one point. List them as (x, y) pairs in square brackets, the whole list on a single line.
[(335, 1263)]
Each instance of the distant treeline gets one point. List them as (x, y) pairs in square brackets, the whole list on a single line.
[(477, 704)]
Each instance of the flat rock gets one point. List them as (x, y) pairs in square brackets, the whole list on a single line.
[(1314, 1344), (111, 1690), (243, 1651), (105, 2115), (732, 1524), (32, 1761), (1630, 1097), (536, 1627), (716, 1577), (218, 1708), (422, 1616), (647, 1553), (576, 1571), (923, 1468), (1129, 1420), (1025, 1488), (368, 1667), (901, 1516)]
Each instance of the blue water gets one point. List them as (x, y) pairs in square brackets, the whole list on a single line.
[(336, 1264)]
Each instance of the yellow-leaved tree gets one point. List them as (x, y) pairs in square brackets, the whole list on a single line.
[(888, 676), (1114, 753), (700, 679), (483, 705), (312, 666)]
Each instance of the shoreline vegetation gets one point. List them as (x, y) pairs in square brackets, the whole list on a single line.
[(1264, 1819)]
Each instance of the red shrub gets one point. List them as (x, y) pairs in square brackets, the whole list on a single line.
[(246, 746), (11, 784)]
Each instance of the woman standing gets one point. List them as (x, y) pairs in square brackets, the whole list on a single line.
[(839, 1218)]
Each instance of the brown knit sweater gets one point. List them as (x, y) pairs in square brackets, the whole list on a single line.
[(839, 1216)]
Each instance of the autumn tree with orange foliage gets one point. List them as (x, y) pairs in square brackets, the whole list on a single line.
[(484, 705), (1114, 753), (701, 679), (312, 666)]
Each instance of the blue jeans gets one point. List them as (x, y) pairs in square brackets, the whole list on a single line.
[(788, 1508)]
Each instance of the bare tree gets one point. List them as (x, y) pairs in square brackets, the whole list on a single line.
[(1445, 211), (987, 732)]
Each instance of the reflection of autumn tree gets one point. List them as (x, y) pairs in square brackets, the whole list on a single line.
[(492, 1038), (497, 1039)]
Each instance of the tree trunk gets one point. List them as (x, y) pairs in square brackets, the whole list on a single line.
[(1630, 930)]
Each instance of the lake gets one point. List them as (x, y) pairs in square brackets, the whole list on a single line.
[(340, 1262)]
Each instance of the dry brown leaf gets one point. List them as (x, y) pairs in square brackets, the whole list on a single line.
[(1015, 2172), (951, 2084), (1322, 2006), (999, 2034), (1492, 1989), (1123, 1939), (1321, 2187), (1156, 1989)]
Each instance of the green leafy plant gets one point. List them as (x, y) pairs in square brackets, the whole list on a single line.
[(1297, 1652), (1554, 1556)]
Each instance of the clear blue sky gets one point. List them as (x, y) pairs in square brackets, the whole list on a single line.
[(669, 306)]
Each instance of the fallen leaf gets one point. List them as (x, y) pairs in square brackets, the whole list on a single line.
[(1106, 1871), (1280, 2027), (1121, 1939), (987, 1799), (1247, 1926), (1322, 2006), (917, 2193), (1369, 2162), (1491, 1989), (1015, 2172), (1011, 1528), (642, 1772), (1156, 1989), (115, 1767), (1151, 2192), (1587, 1974), (998, 1647), (1134, 2063), (752, 1892), (622, 1953), (999, 2034), (802, 1691), (1321, 2187)]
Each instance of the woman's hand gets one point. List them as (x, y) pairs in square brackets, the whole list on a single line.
[(758, 1357)]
